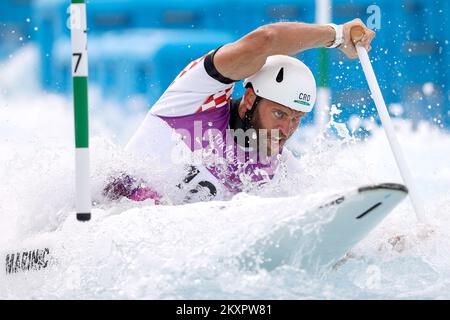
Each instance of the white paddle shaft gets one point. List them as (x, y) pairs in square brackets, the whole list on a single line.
[(390, 133)]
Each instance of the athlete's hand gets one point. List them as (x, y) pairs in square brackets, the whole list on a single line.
[(348, 47)]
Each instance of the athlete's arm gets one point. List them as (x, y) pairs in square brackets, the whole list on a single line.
[(243, 58)]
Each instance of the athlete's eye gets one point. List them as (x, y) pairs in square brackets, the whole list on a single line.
[(278, 114)]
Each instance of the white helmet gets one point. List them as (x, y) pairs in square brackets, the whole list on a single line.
[(287, 81)]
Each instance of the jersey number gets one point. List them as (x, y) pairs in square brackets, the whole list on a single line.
[(203, 191)]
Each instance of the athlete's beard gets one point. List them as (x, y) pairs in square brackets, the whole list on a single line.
[(270, 139)]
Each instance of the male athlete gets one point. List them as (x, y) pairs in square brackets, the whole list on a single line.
[(215, 146)]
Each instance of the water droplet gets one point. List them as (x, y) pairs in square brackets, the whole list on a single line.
[(428, 88)]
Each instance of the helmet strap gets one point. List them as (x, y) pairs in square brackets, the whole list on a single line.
[(249, 114), (246, 122)]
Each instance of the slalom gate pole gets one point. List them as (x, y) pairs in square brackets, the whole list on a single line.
[(78, 31), (357, 33), (323, 16)]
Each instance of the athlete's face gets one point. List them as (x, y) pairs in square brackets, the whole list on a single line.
[(274, 122), (279, 124)]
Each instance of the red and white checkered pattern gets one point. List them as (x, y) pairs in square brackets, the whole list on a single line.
[(189, 67), (193, 91), (217, 100)]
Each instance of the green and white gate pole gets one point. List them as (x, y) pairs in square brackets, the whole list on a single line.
[(323, 16), (78, 30)]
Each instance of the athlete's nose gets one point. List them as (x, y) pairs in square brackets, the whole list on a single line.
[(285, 128)]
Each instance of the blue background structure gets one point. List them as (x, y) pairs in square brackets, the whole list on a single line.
[(137, 47)]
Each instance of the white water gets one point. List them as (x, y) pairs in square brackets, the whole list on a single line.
[(136, 250)]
